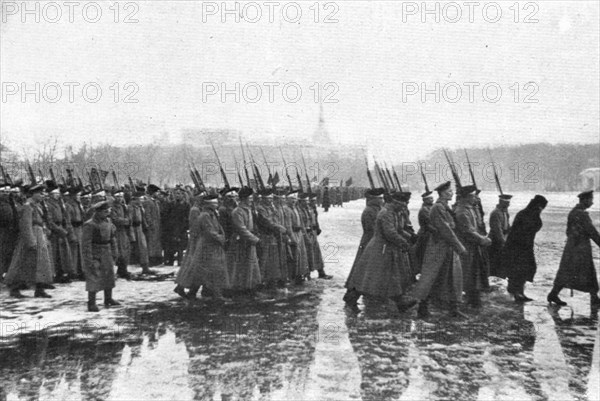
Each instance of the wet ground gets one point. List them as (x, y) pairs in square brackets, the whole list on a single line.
[(304, 344)]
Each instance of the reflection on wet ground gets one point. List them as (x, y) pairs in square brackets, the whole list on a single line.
[(305, 344), (231, 352)]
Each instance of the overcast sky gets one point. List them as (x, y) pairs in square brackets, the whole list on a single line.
[(369, 55)]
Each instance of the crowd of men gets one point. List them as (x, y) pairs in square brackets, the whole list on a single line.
[(452, 255), (232, 242)]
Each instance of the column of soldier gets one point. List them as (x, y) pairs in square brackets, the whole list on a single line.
[(243, 242), (453, 254)]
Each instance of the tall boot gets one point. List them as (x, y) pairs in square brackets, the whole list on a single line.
[(423, 310), (16, 293), (108, 300), (192, 293), (40, 293), (455, 312), (351, 297), (92, 307), (179, 290), (553, 297), (594, 299), (323, 275)]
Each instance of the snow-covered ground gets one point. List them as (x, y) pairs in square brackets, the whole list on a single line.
[(305, 344)]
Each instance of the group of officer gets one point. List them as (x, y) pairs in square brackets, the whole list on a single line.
[(452, 255)]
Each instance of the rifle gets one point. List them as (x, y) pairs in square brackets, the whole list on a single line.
[(92, 181), (31, 175), (6, 177), (245, 165), (397, 180), (130, 184), (198, 177), (286, 170), (382, 178), (498, 186), (389, 175), (52, 176), (223, 175), (115, 179), (238, 172), (470, 169), (270, 180), (452, 169), (424, 180), (306, 174), (259, 181), (369, 176)]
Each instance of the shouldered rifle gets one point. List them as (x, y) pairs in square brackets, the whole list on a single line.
[(223, 175), (286, 170)]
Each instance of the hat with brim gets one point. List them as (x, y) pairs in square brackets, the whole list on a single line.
[(245, 192), (505, 197), (293, 194), (427, 194), (374, 193), (34, 188), (586, 195), (212, 199), (152, 188), (467, 190), (443, 187), (99, 206), (266, 193), (397, 197), (302, 196)]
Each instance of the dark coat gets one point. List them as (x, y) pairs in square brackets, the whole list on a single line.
[(31, 262), (577, 269), (98, 246), (153, 234), (245, 274), (383, 269), (9, 223), (119, 216), (270, 234), (518, 260), (367, 219), (425, 230), (473, 263), (441, 271), (60, 229)]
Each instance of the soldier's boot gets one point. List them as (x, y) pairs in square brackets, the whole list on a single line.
[(405, 303), (122, 270), (108, 299), (179, 290), (455, 312), (423, 310), (92, 307), (40, 293), (206, 292), (324, 276), (474, 299), (351, 297), (594, 299), (146, 271), (553, 297), (193, 292), (16, 293)]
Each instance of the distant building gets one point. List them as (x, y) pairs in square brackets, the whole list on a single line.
[(590, 179)]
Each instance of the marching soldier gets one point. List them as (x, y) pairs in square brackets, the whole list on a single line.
[(31, 264), (576, 270), (383, 270), (119, 216), (206, 266), (472, 261), (374, 199), (282, 240), (246, 272), (153, 234), (425, 230), (60, 228), (499, 229), (326, 202), (518, 255), (229, 197), (303, 213), (99, 250), (441, 272)]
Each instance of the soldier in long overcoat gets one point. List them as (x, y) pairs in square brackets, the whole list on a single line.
[(119, 216), (441, 271), (31, 264), (425, 230), (60, 228), (499, 229), (153, 234), (282, 239), (316, 231), (269, 232), (99, 247), (383, 270), (576, 270), (9, 227), (374, 200), (297, 258), (75, 215), (473, 263), (174, 227), (246, 271), (518, 255), (185, 270), (139, 227)]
